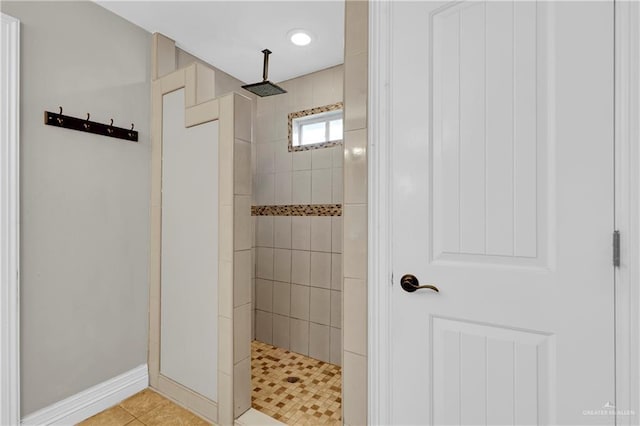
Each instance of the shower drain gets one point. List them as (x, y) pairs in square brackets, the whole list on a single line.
[(293, 379)]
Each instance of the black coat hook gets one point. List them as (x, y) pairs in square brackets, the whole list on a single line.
[(85, 125), (59, 119)]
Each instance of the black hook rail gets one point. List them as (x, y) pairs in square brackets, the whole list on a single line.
[(74, 123)]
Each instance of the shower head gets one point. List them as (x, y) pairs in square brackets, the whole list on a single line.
[(265, 87)]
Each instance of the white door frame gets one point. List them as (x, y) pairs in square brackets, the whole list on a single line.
[(9, 223), (627, 207), (379, 215)]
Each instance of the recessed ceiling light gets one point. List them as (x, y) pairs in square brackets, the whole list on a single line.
[(299, 37)]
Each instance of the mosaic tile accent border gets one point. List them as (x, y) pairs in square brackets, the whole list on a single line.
[(298, 210), (305, 113)]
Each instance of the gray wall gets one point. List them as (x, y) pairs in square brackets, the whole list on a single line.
[(85, 199)]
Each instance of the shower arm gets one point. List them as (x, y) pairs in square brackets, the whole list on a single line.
[(265, 66)]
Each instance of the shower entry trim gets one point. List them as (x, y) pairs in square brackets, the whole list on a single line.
[(233, 111)]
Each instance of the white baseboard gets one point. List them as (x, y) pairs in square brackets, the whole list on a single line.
[(89, 402)]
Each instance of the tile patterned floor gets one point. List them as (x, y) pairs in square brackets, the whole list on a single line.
[(145, 408), (314, 400)]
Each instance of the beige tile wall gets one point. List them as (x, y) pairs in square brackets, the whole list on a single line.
[(298, 285), (298, 290), (354, 406)]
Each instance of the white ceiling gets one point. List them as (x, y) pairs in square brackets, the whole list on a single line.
[(230, 35)]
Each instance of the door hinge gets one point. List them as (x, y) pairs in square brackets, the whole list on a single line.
[(616, 248)]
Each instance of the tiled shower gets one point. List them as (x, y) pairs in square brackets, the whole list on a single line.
[(298, 292), (298, 258)]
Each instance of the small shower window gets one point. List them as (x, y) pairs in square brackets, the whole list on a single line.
[(316, 128)]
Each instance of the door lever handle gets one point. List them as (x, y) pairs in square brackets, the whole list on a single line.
[(410, 284)]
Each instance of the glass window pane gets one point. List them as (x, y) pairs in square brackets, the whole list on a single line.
[(335, 130), (295, 139), (316, 128), (313, 133)]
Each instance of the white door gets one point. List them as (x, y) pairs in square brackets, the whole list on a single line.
[(502, 134)]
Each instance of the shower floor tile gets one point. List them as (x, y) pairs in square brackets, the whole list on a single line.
[(315, 399)]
